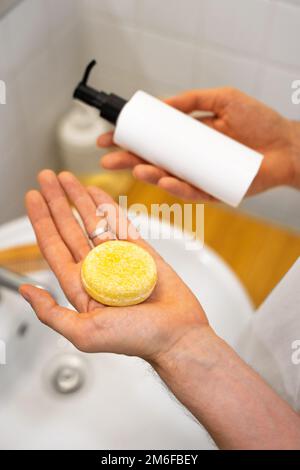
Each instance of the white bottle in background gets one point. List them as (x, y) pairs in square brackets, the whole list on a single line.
[(77, 134), (168, 138)]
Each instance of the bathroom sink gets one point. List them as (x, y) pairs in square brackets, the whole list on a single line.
[(55, 397)]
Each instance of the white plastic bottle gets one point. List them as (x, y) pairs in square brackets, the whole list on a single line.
[(176, 142), (77, 133)]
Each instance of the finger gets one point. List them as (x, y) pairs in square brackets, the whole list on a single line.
[(60, 319), (149, 173), (206, 100), (120, 160), (183, 190), (217, 123), (155, 175), (49, 240), (117, 219), (106, 140), (63, 217), (208, 121), (113, 213), (85, 205)]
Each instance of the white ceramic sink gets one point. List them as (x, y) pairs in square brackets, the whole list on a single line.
[(117, 402)]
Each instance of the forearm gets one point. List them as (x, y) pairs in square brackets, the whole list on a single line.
[(295, 152), (235, 405)]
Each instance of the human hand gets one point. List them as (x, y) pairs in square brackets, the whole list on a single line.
[(146, 330), (169, 330), (238, 116)]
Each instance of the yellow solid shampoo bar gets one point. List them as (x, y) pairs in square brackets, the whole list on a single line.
[(119, 273)]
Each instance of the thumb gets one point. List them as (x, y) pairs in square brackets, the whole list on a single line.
[(196, 100), (60, 319)]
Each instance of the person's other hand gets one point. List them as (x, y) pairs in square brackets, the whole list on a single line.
[(146, 330), (234, 114)]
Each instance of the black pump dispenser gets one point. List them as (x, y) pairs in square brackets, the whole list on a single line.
[(109, 105)]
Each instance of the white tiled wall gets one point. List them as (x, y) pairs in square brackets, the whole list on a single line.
[(39, 46), (162, 46)]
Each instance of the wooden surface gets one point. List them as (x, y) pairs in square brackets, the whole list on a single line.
[(23, 259), (258, 252)]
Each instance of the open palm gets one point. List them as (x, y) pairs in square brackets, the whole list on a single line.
[(144, 330)]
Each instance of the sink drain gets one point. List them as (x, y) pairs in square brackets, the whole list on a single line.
[(67, 374), (68, 380)]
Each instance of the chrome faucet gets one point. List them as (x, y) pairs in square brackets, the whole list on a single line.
[(13, 281)]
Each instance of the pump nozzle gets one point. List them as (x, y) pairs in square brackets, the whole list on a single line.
[(88, 71), (109, 105)]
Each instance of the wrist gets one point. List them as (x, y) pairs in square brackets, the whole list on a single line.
[(198, 343), (295, 152)]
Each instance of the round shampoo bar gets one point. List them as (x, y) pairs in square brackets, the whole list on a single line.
[(119, 273)]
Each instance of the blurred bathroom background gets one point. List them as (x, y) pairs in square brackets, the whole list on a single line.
[(162, 47)]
